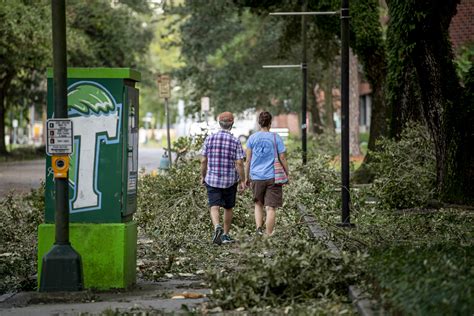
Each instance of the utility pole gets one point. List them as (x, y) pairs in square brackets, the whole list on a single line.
[(62, 265)]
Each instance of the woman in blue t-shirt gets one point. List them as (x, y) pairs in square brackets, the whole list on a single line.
[(260, 172)]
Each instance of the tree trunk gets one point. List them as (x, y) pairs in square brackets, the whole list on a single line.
[(369, 45), (449, 120), (3, 148), (354, 105), (376, 75), (327, 85), (450, 124), (316, 124), (405, 99), (4, 85)]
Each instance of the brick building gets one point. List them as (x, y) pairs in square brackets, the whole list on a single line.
[(461, 29)]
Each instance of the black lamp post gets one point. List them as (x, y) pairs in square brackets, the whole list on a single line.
[(61, 267), (345, 217)]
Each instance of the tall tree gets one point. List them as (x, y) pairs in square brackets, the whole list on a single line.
[(421, 27), (99, 33), (23, 49), (369, 45), (224, 49), (367, 41)]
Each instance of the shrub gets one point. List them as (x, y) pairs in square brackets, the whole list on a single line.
[(405, 173), (429, 280), (19, 220)]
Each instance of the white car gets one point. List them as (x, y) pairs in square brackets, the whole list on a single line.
[(241, 130)]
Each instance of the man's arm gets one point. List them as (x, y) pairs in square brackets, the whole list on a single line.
[(203, 168), (239, 166), (247, 166)]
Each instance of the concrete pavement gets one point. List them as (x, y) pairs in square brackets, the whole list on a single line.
[(147, 297)]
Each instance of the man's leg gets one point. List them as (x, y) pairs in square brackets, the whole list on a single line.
[(258, 214), (270, 221), (218, 231), (215, 215), (228, 214)]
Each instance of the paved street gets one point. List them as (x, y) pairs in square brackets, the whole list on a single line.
[(22, 176)]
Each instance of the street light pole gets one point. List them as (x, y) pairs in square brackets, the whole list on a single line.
[(304, 69), (345, 218)]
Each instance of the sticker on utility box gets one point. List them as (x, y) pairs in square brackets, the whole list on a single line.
[(60, 137)]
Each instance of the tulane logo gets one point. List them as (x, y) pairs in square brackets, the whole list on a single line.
[(89, 97), (96, 121)]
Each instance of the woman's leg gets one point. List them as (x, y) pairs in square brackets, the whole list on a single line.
[(270, 221), (258, 214)]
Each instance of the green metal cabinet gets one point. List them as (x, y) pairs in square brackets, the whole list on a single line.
[(103, 174)]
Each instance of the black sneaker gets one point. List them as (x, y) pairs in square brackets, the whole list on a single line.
[(259, 231), (226, 239), (216, 238)]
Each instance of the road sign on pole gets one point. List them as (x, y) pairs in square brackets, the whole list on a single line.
[(60, 137), (165, 93), (164, 86)]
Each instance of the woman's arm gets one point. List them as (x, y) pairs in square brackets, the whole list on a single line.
[(284, 163)]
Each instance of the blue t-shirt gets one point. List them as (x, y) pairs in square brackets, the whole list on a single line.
[(262, 145)]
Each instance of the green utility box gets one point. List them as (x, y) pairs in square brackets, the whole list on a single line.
[(103, 174), (103, 107)]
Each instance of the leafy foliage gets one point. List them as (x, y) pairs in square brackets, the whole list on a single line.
[(224, 49), (290, 272), (100, 33), (415, 261), (405, 170), (19, 220), (433, 280)]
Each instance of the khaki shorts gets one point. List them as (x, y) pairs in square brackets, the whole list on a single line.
[(267, 192)]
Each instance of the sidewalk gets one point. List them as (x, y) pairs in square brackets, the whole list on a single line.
[(168, 296)]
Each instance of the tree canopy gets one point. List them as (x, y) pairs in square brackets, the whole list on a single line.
[(99, 33)]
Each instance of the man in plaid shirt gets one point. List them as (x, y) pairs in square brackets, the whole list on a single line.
[(222, 170)]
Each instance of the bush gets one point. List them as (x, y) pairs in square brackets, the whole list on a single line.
[(405, 170), (19, 220), (433, 280)]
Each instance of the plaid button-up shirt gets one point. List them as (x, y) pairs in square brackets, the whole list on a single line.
[(222, 149)]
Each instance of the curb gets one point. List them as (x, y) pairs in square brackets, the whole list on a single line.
[(363, 303), (23, 299)]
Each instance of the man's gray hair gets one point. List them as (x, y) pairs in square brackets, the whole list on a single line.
[(226, 125)]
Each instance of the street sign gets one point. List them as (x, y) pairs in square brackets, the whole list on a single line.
[(164, 86), (205, 104), (60, 137)]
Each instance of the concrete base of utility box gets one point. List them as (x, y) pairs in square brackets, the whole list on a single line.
[(108, 252)]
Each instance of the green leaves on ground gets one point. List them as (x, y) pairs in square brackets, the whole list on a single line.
[(19, 220)]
